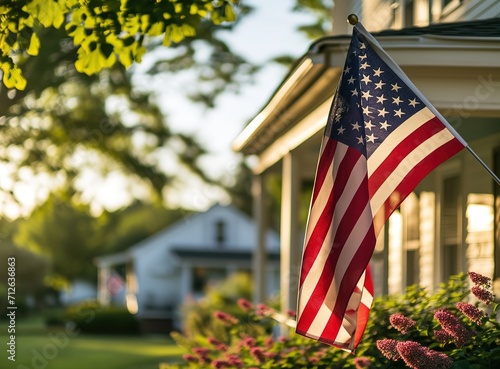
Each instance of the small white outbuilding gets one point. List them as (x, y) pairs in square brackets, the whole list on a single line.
[(177, 263)]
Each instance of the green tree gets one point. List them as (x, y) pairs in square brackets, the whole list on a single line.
[(31, 269), (67, 237), (104, 32), (64, 233), (66, 122), (321, 11), (126, 227)]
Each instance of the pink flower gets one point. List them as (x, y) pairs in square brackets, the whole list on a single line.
[(220, 364), (480, 280), (201, 351), (388, 348), (313, 360), (226, 319), (482, 294), (248, 342), (282, 339), (269, 342), (245, 305), (419, 357), (439, 360), (362, 362), (471, 312), (213, 341), (453, 326), (263, 310), (234, 360), (270, 355), (402, 323), (190, 358), (257, 353), (443, 336), (222, 347)]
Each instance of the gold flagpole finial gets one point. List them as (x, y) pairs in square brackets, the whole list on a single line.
[(352, 19)]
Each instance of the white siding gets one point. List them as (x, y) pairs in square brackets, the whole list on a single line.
[(473, 9)]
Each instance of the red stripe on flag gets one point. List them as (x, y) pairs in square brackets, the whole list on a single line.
[(419, 171), (323, 165), (346, 225), (405, 147), (323, 225)]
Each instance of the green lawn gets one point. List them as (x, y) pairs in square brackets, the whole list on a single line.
[(37, 348)]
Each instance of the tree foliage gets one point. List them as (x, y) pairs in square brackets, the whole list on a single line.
[(104, 32), (69, 238), (321, 10), (65, 234), (31, 268), (65, 122)]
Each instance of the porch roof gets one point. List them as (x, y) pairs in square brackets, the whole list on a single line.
[(299, 106), (222, 254)]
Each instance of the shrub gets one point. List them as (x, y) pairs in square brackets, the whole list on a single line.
[(415, 330), (91, 317), (198, 317)]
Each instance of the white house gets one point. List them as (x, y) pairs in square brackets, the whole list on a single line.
[(177, 263), (450, 49), (77, 292)]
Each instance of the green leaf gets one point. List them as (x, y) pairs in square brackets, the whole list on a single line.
[(13, 77), (460, 364), (230, 16), (34, 45), (156, 29)]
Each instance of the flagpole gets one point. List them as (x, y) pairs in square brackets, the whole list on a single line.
[(492, 174), (353, 20)]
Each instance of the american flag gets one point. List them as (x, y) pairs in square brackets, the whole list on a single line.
[(381, 139), (115, 283)]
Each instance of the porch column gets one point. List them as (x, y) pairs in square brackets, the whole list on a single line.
[(259, 260), (186, 282), (290, 250), (103, 295)]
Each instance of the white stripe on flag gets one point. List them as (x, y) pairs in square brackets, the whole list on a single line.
[(405, 166)]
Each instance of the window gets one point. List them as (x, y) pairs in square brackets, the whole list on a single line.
[(411, 212), (451, 227), (409, 13), (220, 232)]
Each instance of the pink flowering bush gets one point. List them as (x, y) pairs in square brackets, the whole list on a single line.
[(454, 328), (450, 329)]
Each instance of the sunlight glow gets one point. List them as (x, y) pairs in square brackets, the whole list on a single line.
[(131, 301), (479, 217)]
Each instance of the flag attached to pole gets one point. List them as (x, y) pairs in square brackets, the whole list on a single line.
[(381, 139), (115, 283)]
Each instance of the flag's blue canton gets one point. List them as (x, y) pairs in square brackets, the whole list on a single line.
[(371, 100)]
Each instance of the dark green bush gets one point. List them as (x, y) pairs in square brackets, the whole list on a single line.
[(91, 317)]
